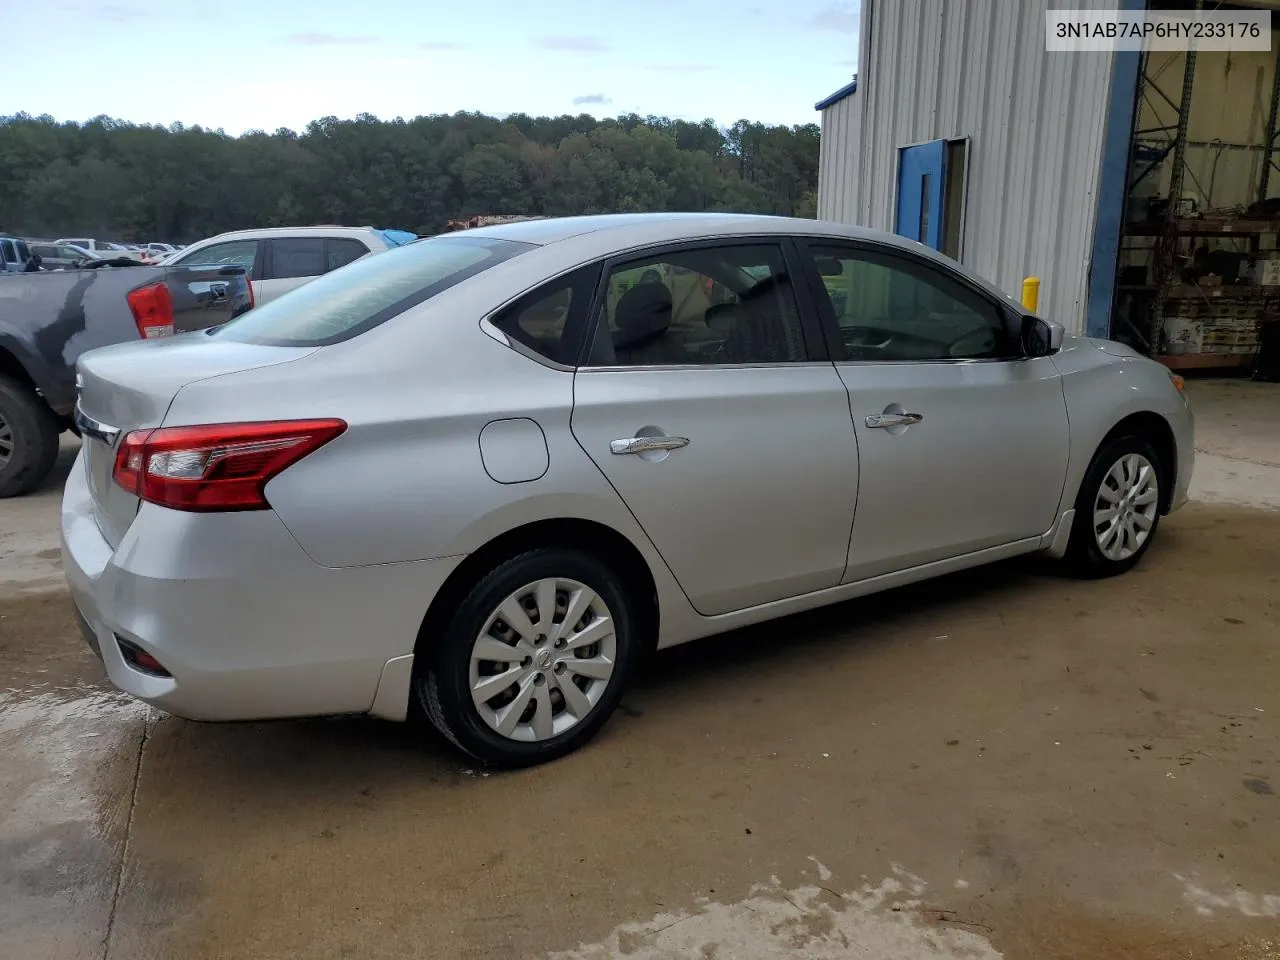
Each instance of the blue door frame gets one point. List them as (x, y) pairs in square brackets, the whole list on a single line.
[(922, 171), (1113, 185)]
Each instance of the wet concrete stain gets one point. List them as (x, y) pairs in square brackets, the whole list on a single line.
[(975, 730)]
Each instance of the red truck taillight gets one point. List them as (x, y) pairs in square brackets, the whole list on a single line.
[(152, 308), (212, 467)]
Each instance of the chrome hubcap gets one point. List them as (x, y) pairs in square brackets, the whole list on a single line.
[(543, 660), (1125, 509)]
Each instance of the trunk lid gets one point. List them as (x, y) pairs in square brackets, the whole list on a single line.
[(130, 387)]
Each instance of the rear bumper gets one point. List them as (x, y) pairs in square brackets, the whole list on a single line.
[(246, 623)]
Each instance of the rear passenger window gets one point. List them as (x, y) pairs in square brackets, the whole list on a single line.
[(549, 320), (716, 305), (339, 251), (297, 257)]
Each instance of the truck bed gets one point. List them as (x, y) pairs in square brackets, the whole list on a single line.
[(47, 319)]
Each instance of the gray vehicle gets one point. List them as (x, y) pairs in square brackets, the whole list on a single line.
[(61, 256), (47, 319), (486, 471)]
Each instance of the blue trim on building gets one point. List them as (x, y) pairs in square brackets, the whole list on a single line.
[(845, 91), (1113, 183)]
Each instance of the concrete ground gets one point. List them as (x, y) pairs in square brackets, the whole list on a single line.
[(1000, 763)]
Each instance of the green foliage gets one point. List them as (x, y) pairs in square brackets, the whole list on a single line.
[(114, 180)]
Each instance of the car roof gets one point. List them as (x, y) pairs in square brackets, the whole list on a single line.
[(648, 227), (334, 230)]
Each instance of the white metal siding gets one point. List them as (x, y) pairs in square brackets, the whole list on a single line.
[(929, 70)]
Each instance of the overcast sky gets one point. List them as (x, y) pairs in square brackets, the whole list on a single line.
[(245, 64)]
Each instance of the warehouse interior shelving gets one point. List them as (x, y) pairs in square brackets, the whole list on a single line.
[(1197, 288)]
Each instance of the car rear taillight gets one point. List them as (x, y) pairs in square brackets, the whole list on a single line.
[(223, 466), (152, 308)]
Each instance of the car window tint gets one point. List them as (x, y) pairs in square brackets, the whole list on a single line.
[(721, 304), (232, 252), (24, 252), (543, 320), (343, 250), (347, 302), (895, 308), (297, 257)]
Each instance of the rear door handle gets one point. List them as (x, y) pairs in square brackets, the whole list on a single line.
[(646, 444), (881, 420)]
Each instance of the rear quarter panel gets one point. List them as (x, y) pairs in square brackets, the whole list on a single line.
[(1103, 383), (407, 482)]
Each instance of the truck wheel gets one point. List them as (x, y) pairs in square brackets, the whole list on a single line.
[(28, 438)]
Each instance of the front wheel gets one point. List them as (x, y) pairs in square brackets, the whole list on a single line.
[(533, 662), (1117, 509)]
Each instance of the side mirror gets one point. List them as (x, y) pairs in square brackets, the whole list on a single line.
[(1040, 338)]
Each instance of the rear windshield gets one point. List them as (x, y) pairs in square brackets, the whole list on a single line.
[(347, 302)]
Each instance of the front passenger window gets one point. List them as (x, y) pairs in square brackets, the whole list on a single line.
[(893, 308)]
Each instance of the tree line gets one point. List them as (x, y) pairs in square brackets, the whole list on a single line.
[(115, 180)]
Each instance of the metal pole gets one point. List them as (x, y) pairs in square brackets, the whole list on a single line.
[(1168, 242), (1269, 141), (1180, 138)]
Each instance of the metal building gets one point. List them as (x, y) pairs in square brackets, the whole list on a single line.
[(962, 131), (1023, 129)]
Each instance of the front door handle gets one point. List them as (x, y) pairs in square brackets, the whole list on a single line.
[(646, 444), (881, 420)]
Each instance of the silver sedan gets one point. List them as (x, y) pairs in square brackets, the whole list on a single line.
[(484, 473)]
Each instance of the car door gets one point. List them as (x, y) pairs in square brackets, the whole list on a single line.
[(290, 262), (962, 440), (706, 400)]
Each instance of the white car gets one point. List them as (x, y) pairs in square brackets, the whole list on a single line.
[(278, 259)]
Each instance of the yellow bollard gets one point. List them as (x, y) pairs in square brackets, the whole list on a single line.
[(1031, 293)]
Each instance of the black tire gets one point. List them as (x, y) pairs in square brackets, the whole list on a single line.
[(442, 675), (1085, 556), (28, 438)]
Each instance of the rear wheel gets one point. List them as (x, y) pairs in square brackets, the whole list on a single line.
[(533, 662), (1117, 509), (28, 438)]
